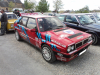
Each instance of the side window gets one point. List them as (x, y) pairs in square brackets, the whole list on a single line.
[(31, 23), (71, 19), (23, 21)]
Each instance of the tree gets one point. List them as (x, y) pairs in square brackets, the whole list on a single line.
[(29, 4), (11, 5), (43, 6), (57, 5), (83, 10)]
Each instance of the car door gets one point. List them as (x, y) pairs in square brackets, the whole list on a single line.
[(72, 21), (22, 25), (31, 31)]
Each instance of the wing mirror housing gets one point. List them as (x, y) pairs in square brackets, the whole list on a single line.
[(34, 30)]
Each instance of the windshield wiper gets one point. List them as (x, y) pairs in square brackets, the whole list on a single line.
[(58, 27), (89, 23), (48, 29)]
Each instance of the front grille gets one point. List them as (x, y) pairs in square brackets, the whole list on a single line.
[(79, 44), (85, 41)]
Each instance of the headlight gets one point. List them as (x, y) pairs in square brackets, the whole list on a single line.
[(12, 25), (89, 39), (70, 48)]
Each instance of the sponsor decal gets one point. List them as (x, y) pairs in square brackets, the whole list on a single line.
[(40, 42), (40, 19), (24, 31), (37, 44), (62, 36), (62, 58), (68, 31), (58, 43), (48, 37), (39, 35), (80, 37), (54, 47), (44, 41), (18, 19), (23, 35), (29, 14)]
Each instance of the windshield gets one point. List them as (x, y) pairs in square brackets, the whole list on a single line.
[(97, 15), (49, 23), (11, 16), (84, 19)]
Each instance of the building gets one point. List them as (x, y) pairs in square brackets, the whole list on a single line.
[(4, 4)]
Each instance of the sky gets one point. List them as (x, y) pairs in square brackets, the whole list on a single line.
[(75, 4)]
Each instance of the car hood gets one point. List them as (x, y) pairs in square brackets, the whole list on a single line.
[(94, 26), (67, 35), (12, 20)]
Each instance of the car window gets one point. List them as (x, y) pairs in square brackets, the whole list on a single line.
[(31, 23), (84, 19), (61, 17), (97, 15), (92, 17), (71, 19), (50, 23), (23, 21), (11, 16)]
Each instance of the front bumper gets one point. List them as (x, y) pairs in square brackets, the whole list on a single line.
[(74, 54)]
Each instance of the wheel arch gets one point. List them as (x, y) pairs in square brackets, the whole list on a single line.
[(92, 32)]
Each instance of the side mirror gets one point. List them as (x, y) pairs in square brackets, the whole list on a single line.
[(34, 30)]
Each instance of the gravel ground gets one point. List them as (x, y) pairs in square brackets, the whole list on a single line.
[(86, 64)]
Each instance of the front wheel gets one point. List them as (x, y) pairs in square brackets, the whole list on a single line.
[(94, 39), (48, 54)]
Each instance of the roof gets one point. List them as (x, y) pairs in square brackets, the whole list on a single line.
[(72, 14), (3, 4), (37, 16), (15, 1)]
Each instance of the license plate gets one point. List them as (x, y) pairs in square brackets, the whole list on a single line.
[(82, 52)]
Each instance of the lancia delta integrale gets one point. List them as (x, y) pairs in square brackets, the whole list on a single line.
[(50, 35)]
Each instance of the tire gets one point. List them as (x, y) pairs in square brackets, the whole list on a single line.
[(48, 54), (95, 39), (18, 38)]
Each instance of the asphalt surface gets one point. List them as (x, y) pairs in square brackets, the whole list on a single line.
[(21, 58)]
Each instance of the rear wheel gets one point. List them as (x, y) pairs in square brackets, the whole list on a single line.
[(18, 38), (94, 39), (48, 54)]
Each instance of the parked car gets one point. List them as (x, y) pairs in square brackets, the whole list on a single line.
[(82, 22), (11, 19), (52, 37), (94, 16)]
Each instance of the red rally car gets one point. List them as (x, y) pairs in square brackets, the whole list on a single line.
[(50, 35)]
